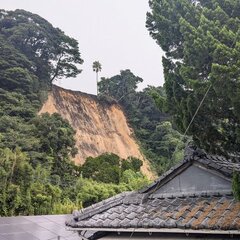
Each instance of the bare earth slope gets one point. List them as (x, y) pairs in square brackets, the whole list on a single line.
[(100, 127)]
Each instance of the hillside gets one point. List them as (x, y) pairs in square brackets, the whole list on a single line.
[(37, 174), (162, 145), (100, 127)]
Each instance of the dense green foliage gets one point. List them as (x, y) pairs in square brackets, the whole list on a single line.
[(108, 176), (38, 190), (202, 44), (25, 189), (35, 150), (51, 53), (161, 144), (87, 191), (109, 167), (36, 173)]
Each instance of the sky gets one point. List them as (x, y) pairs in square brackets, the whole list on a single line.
[(112, 32)]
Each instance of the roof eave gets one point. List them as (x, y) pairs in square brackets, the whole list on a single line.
[(160, 230)]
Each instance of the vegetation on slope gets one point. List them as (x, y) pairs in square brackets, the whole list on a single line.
[(160, 143), (34, 150), (36, 174), (201, 40), (202, 44)]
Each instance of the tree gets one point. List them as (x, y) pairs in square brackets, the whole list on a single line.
[(108, 167), (16, 176), (104, 168), (56, 139), (236, 185), (97, 67), (202, 44), (53, 54), (120, 86)]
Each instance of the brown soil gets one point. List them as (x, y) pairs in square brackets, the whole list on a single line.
[(100, 127)]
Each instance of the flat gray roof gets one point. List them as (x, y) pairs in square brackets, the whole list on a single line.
[(36, 228)]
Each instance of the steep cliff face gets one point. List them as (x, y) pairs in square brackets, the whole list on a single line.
[(100, 127)]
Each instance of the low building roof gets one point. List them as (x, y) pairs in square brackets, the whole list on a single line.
[(43, 227), (213, 212), (157, 210)]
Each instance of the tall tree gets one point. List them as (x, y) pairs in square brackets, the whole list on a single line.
[(120, 86), (202, 44), (97, 67), (54, 54)]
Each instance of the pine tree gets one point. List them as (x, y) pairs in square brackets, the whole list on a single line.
[(202, 44)]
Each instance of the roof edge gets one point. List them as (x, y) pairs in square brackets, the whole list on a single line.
[(100, 206), (160, 230)]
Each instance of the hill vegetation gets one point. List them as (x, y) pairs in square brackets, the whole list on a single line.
[(202, 44), (160, 143), (201, 40), (36, 173)]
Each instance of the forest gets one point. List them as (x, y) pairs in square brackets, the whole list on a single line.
[(201, 41), (36, 171)]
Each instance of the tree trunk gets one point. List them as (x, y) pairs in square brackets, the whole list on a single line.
[(97, 81)]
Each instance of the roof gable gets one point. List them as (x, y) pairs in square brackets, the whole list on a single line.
[(195, 179), (216, 165)]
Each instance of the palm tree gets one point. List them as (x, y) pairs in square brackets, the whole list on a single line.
[(97, 67)]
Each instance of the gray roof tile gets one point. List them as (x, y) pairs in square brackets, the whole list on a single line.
[(199, 210), (198, 214), (115, 222), (134, 223)]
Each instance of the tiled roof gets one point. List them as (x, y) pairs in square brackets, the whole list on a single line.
[(146, 209), (219, 212)]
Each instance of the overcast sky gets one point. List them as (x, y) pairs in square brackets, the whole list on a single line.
[(110, 31)]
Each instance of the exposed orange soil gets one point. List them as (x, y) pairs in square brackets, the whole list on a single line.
[(100, 127)]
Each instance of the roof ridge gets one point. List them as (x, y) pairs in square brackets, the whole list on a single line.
[(192, 194), (221, 164)]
